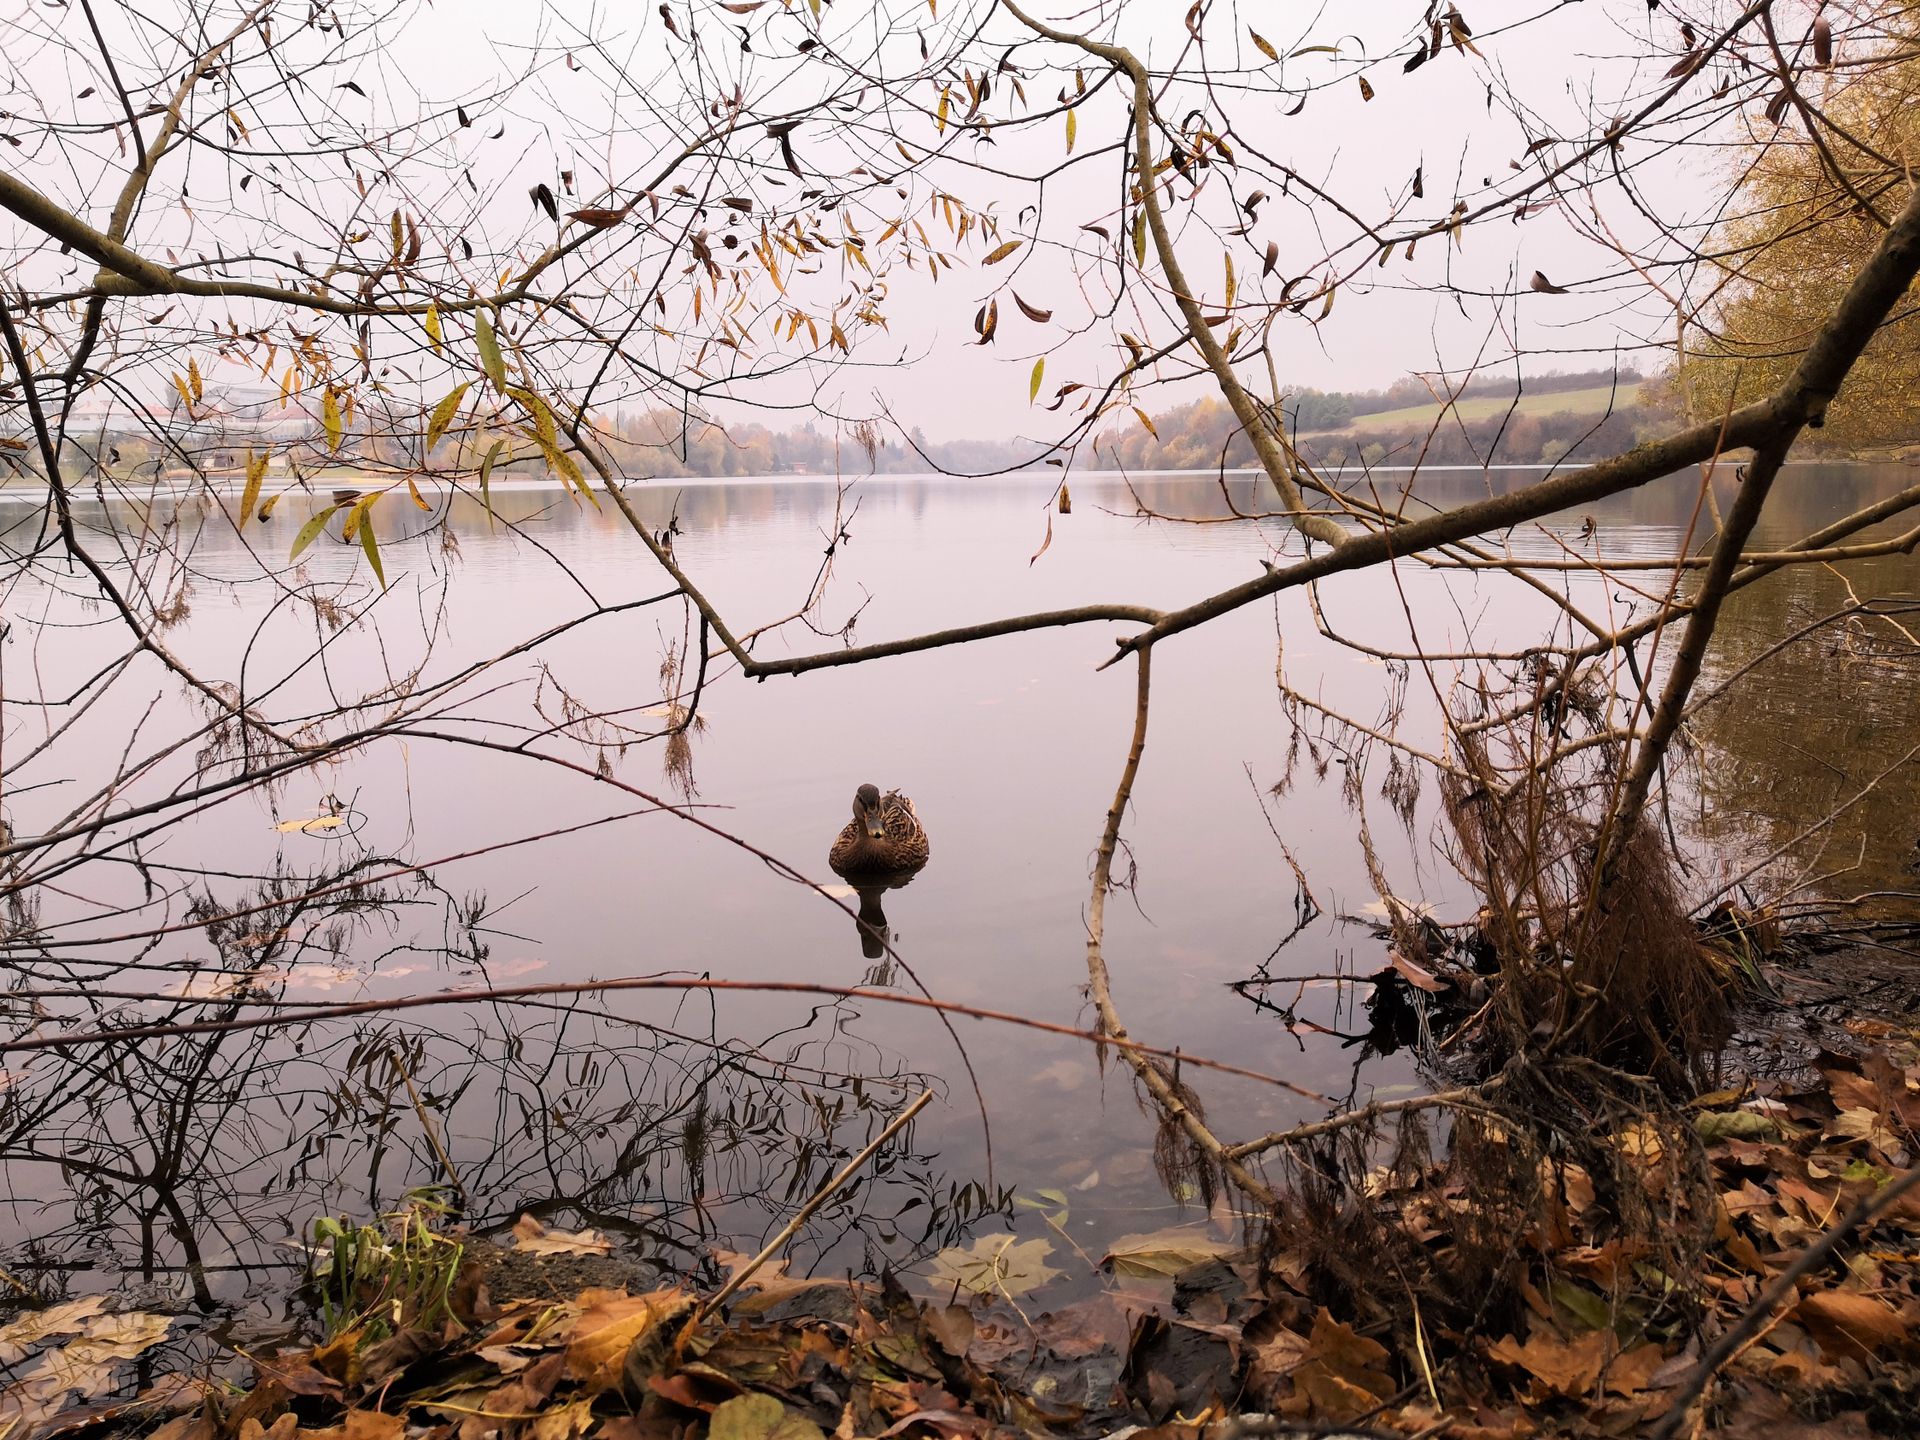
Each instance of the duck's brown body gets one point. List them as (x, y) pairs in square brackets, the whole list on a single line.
[(884, 839)]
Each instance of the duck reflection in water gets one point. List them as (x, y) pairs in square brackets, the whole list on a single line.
[(882, 848)]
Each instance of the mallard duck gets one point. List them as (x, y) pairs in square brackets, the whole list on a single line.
[(883, 840)]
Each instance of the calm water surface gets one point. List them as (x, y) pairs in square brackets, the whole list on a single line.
[(683, 1121)]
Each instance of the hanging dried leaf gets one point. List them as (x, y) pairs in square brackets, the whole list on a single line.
[(330, 417), (310, 532), (1263, 45), (256, 476), (486, 475), (443, 414), (1001, 252), (1366, 90), (490, 357), (1032, 312), (1033, 381), (1685, 65), (371, 548), (599, 217)]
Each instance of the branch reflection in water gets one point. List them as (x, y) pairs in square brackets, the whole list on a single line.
[(200, 1161)]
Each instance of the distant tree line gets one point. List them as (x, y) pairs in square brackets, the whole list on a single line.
[(1205, 435), (1490, 440)]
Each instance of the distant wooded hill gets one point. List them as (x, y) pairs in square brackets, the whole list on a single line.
[(1491, 422), (1550, 418)]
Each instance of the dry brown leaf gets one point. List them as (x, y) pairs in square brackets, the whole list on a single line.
[(1340, 1374), (609, 1324), (30, 1329), (1633, 1370), (1860, 1123), (562, 1422), (1334, 1395), (1844, 1323), (1166, 1252), (372, 1425), (530, 1236), (1566, 1367), (1342, 1347)]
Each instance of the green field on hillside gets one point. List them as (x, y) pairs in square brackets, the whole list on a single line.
[(1592, 401)]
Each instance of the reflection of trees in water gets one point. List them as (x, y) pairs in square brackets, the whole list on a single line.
[(207, 1155), (1814, 723)]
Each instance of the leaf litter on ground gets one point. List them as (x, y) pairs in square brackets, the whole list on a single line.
[(1192, 1326)]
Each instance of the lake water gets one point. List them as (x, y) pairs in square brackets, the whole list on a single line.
[(682, 1122)]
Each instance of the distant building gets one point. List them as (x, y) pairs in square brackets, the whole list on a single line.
[(217, 431)]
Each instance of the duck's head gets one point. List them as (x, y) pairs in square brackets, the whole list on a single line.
[(866, 809)]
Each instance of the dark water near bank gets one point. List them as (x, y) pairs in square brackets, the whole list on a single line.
[(689, 1120)]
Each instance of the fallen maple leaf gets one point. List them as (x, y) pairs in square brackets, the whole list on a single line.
[(994, 1264)]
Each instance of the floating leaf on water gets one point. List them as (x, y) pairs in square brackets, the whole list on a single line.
[(70, 1318), (311, 825), (1165, 1253), (994, 1265), (533, 1238)]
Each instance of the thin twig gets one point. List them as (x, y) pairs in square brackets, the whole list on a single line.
[(792, 1227), (1723, 1349)]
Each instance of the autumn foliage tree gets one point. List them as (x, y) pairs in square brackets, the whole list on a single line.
[(1812, 177)]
